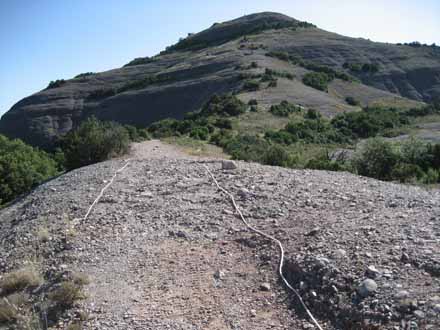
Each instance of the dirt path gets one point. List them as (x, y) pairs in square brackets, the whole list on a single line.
[(163, 249), (156, 149)]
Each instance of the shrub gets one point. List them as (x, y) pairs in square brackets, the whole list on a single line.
[(352, 101), (312, 114), (405, 172), (199, 133), (284, 56), (376, 158), (325, 163), (431, 176), (251, 85), (67, 294), (273, 83), (140, 61), (253, 108), (56, 84), (277, 156), (19, 281), (282, 137), (142, 83), (94, 141), (253, 102), (228, 105), (84, 75), (22, 167), (284, 109), (101, 93), (414, 151), (223, 123), (245, 147), (317, 80), (164, 128)]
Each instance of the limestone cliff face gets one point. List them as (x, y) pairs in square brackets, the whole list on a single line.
[(182, 78)]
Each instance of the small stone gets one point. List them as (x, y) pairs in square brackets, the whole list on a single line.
[(308, 326), (372, 272), (228, 212), (340, 253), (436, 308), (419, 314), (313, 232), (401, 295), (219, 274), (182, 234), (253, 313), (367, 288), (265, 287), (228, 165)]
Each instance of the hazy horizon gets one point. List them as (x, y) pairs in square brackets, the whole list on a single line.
[(52, 40)]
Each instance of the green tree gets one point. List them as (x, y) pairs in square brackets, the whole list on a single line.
[(376, 158), (94, 141), (22, 167)]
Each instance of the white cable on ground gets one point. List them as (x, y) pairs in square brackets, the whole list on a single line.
[(280, 246), (104, 189)]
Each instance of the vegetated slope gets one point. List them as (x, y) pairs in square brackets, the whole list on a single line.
[(219, 60), (163, 249)]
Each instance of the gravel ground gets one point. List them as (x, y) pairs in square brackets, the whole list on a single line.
[(164, 250)]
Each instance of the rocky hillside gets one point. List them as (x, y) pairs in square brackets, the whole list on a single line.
[(222, 59), (163, 248)]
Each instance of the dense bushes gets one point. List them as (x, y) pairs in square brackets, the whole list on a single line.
[(317, 80), (409, 161), (284, 109), (22, 168), (227, 105), (94, 141), (369, 122)]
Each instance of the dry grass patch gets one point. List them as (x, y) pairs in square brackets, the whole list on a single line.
[(8, 312), (67, 294), (19, 281)]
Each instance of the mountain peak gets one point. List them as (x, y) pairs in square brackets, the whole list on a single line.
[(220, 33)]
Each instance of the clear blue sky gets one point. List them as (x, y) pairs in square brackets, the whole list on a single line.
[(43, 40)]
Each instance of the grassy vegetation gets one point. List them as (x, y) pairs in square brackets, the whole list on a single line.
[(22, 307)]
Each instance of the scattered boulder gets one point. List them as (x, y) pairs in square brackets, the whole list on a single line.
[(367, 288), (228, 165), (265, 287)]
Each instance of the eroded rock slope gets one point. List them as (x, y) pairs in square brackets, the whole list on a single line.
[(212, 61)]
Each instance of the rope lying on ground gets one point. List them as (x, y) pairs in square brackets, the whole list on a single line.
[(104, 189), (280, 246)]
